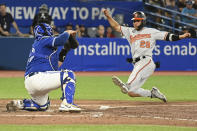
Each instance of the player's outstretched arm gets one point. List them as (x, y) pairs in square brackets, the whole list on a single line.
[(186, 35), (173, 37), (111, 21)]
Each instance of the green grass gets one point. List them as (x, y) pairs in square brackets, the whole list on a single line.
[(93, 128), (176, 88)]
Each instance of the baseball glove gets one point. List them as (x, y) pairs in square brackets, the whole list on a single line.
[(72, 43)]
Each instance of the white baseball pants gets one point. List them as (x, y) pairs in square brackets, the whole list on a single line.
[(142, 70), (39, 85)]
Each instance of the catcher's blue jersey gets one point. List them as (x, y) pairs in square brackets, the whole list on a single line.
[(43, 56)]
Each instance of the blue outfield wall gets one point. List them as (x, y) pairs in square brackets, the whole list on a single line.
[(94, 54)]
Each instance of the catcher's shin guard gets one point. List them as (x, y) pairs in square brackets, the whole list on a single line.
[(68, 85), (30, 105)]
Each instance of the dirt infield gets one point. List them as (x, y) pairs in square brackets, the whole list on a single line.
[(107, 112)]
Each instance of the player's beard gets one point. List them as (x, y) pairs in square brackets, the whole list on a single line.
[(140, 27)]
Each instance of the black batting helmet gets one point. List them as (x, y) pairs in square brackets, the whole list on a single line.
[(139, 15)]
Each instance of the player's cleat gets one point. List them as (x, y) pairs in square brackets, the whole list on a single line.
[(155, 93), (15, 105), (30, 105), (65, 107), (119, 83)]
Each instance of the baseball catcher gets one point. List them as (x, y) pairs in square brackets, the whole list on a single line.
[(142, 41), (42, 74)]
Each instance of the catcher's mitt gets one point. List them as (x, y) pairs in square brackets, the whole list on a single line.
[(73, 42)]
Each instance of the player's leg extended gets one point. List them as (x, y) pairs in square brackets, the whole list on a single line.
[(123, 87), (136, 90), (134, 82), (68, 91), (142, 70), (139, 77)]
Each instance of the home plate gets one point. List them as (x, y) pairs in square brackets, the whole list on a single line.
[(104, 107), (97, 114)]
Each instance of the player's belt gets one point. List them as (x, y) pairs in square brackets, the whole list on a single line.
[(138, 59), (131, 60), (135, 60), (31, 74)]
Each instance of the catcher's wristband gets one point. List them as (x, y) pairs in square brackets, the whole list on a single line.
[(63, 54)]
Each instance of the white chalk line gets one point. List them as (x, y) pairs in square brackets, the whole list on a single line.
[(55, 105), (99, 114), (4, 115), (91, 114), (162, 118)]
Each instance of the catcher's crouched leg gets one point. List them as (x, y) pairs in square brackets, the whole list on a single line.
[(26, 104), (68, 91)]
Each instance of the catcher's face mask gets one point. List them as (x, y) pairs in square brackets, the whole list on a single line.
[(42, 30)]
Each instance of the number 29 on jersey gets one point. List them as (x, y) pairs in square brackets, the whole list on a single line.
[(144, 44)]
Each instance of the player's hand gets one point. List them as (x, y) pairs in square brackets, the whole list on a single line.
[(186, 35), (71, 32), (106, 12), (129, 60)]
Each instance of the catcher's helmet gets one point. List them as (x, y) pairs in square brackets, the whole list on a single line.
[(41, 30), (139, 15)]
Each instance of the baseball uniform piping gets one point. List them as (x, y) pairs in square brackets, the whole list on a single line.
[(121, 31), (139, 72)]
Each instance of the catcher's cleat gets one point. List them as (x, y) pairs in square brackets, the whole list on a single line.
[(65, 107), (30, 105), (155, 93), (119, 83), (15, 105)]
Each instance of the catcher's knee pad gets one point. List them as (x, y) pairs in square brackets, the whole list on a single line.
[(67, 76), (30, 105)]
